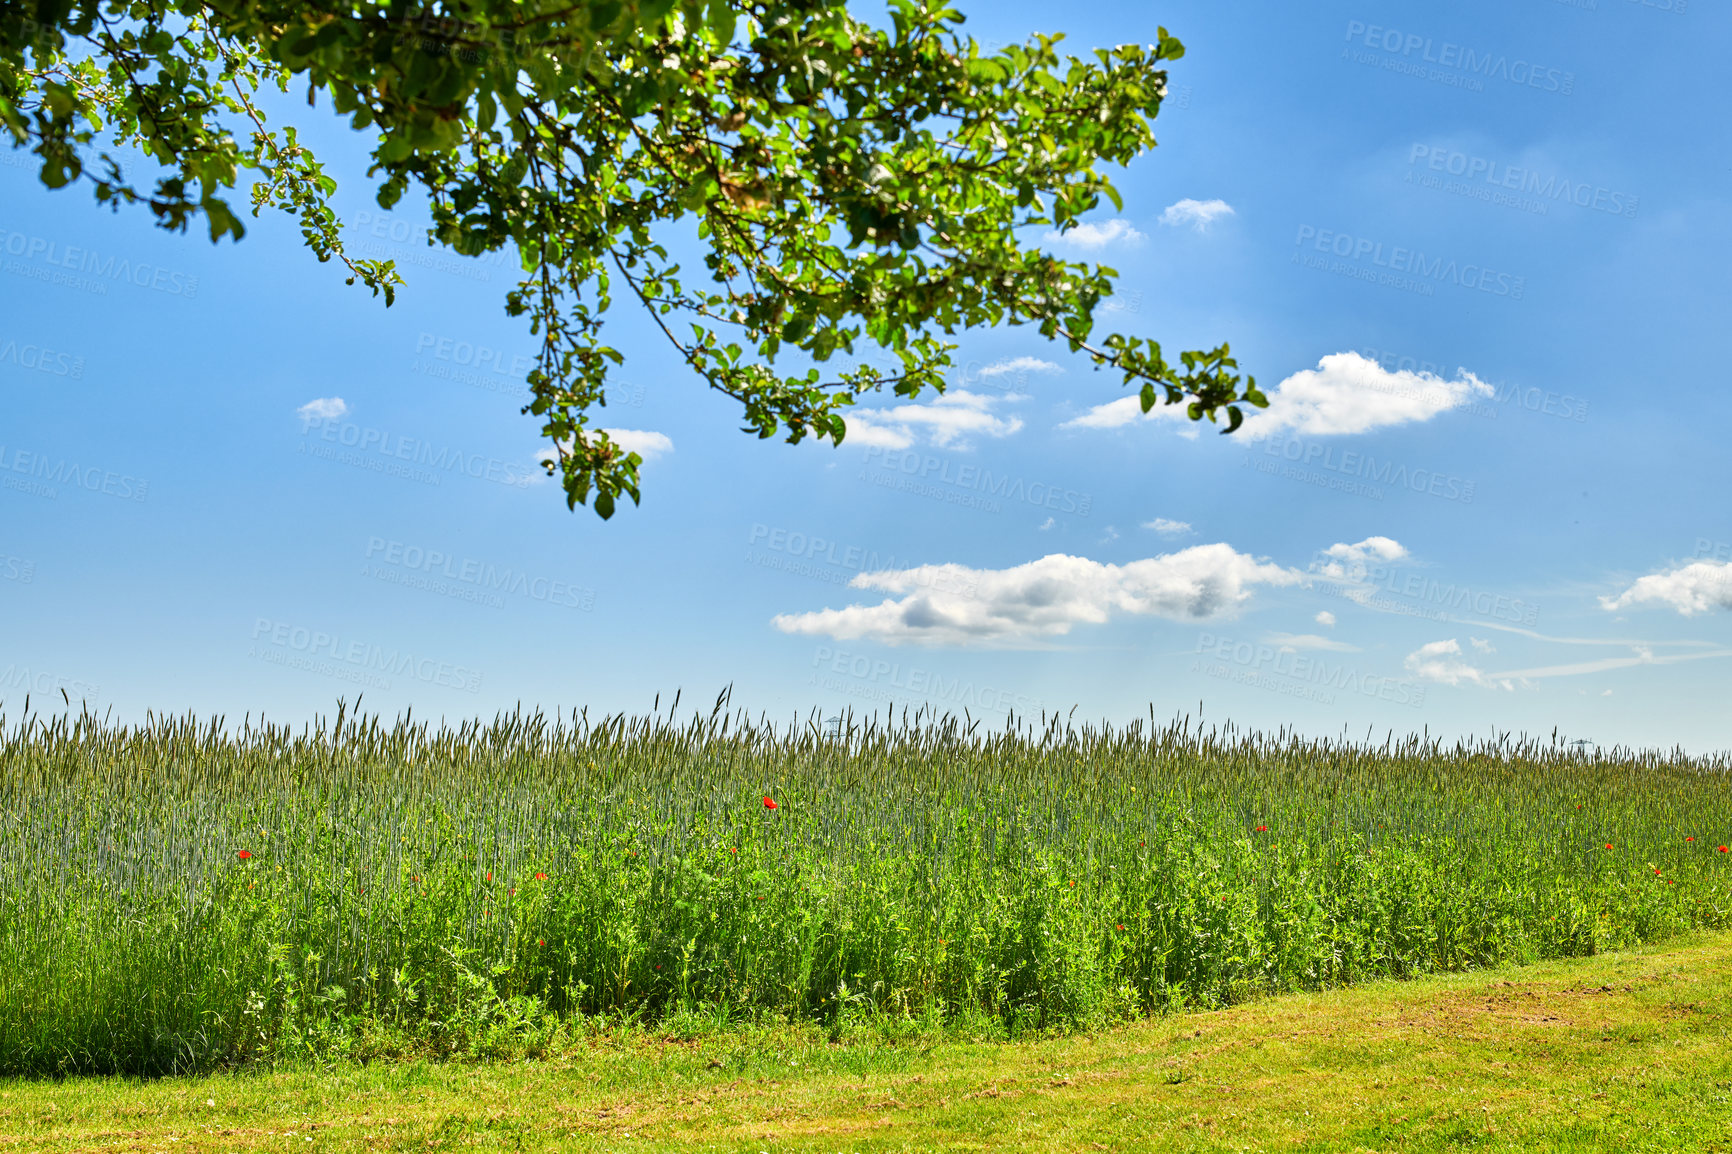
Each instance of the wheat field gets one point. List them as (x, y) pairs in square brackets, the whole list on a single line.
[(182, 895)]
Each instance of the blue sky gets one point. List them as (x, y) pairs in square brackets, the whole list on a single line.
[(1475, 251)]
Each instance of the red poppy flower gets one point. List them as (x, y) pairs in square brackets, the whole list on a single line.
[(539, 942), (1608, 845), (732, 850), (244, 854), (658, 967), (1261, 829), (513, 891), (1689, 839), (490, 875), (769, 803), (1722, 849), (1121, 929), (1143, 843), (540, 877)]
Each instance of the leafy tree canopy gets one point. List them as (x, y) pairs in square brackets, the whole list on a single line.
[(848, 182)]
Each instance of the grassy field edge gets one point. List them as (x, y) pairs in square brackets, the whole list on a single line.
[(1628, 1048)]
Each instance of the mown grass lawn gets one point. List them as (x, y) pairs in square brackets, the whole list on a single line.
[(1622, 1052)]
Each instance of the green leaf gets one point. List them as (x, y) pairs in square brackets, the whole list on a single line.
[(721, 21), (576, 133)]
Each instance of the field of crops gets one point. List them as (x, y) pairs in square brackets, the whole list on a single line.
[(182, 895)]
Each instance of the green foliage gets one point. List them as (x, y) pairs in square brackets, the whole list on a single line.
[(1624, 1051), (392, 890), (851, 187)]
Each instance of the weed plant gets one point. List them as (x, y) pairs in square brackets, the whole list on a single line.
[(181, 895)]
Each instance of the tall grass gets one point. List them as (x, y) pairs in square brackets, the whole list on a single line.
[(180, 895)]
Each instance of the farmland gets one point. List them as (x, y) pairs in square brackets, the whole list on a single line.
[(186, 895)]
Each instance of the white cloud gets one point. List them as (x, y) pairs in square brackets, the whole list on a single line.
[(1047, 524), (1353, 562), (1441, 661), (1292, 641), (1643, 653), (1019, 365), (1482, 645), (863, 432), (1634, 642), (1199, 214), (1345, 393), (948, 421), (1642, 657), (1126, 410), (1095, 236), (644, 442), (1171, 528), (322, 409), (1324, 617), (1348, 393), (1043, 598), (1690, 589), (1110, 536)]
